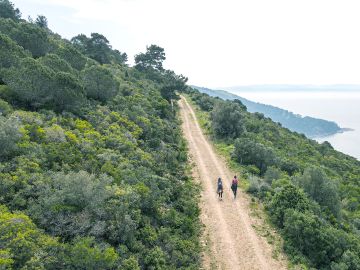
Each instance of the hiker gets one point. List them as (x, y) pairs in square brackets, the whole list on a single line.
[(220, 188), (234, 185)]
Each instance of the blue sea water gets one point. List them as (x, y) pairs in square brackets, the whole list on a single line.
[(343, 107)]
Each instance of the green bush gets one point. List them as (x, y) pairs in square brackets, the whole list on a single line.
[(5, 108), (227, 120), (249, 152), (320, 243), (321, 189), (99, 83), (9, 137), (289, 197)]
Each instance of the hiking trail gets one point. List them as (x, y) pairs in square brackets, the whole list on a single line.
[(229, 238)]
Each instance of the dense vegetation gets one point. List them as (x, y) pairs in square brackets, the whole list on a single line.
[(311, 191), (93, 170), (310, 126)]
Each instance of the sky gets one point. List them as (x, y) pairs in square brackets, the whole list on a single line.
[(223, 43)]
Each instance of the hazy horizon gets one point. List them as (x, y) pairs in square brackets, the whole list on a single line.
[(281, 87)]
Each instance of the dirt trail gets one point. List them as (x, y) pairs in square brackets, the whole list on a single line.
[(232, 241)]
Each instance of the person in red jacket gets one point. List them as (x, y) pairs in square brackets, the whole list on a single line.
[(234, 186)]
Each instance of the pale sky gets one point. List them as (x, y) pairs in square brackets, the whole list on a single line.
[(224, 43)]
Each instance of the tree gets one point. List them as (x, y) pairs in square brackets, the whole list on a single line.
[(7, 10), (289, 197), (99, 83), (155, 259), (319, 242), (67, 93), (98, 48), (24, 243), (72, 204), (41, 21), (227, 120), (205, 102), (118, 57), (321, 189), (86, 254), (271, 174), (55, 63), (152, 59), (80, 42), (249, 152), (31, 82), (10, 52), (131, 264), (71, 55), (9, 136), (37, 86), (172, 83), (27, 35)]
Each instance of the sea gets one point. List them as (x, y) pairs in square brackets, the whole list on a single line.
[(343, 107)]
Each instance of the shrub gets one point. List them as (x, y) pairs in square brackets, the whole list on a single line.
[(321, 189), (9, 136), (249, 152), (99, 83), (227, 120), (72, 204), (289, 197)]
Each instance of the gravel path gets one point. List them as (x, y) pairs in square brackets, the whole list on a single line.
[(230, 239)]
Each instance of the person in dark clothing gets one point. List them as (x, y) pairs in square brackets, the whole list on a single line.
[(234, 185), (220, 188)]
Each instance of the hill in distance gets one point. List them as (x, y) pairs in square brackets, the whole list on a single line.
[(294, 87), (310, 126)]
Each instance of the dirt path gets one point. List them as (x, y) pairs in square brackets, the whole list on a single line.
[(232, 243)]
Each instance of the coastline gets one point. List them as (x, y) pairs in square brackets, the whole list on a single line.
[(340, 131)]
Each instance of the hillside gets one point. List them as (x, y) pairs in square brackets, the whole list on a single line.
[(310, 191), (95, 170), (93, 166), (311, 127)]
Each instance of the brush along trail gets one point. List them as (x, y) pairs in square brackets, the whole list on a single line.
[(229, 238)]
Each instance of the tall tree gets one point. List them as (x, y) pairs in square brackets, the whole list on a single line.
[(71, 55), (99, 48), (321, 189), (172, 83), (118, 57), (153, 58), (7, 10), (31, 82), (228, 120), (41, 21), (80, 42), (99, 83), (29, 36), (10, 52)]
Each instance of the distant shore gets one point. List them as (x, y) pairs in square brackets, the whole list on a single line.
[(341, 130)]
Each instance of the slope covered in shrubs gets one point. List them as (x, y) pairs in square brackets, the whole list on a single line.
[(310, 191), (93, 167)]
